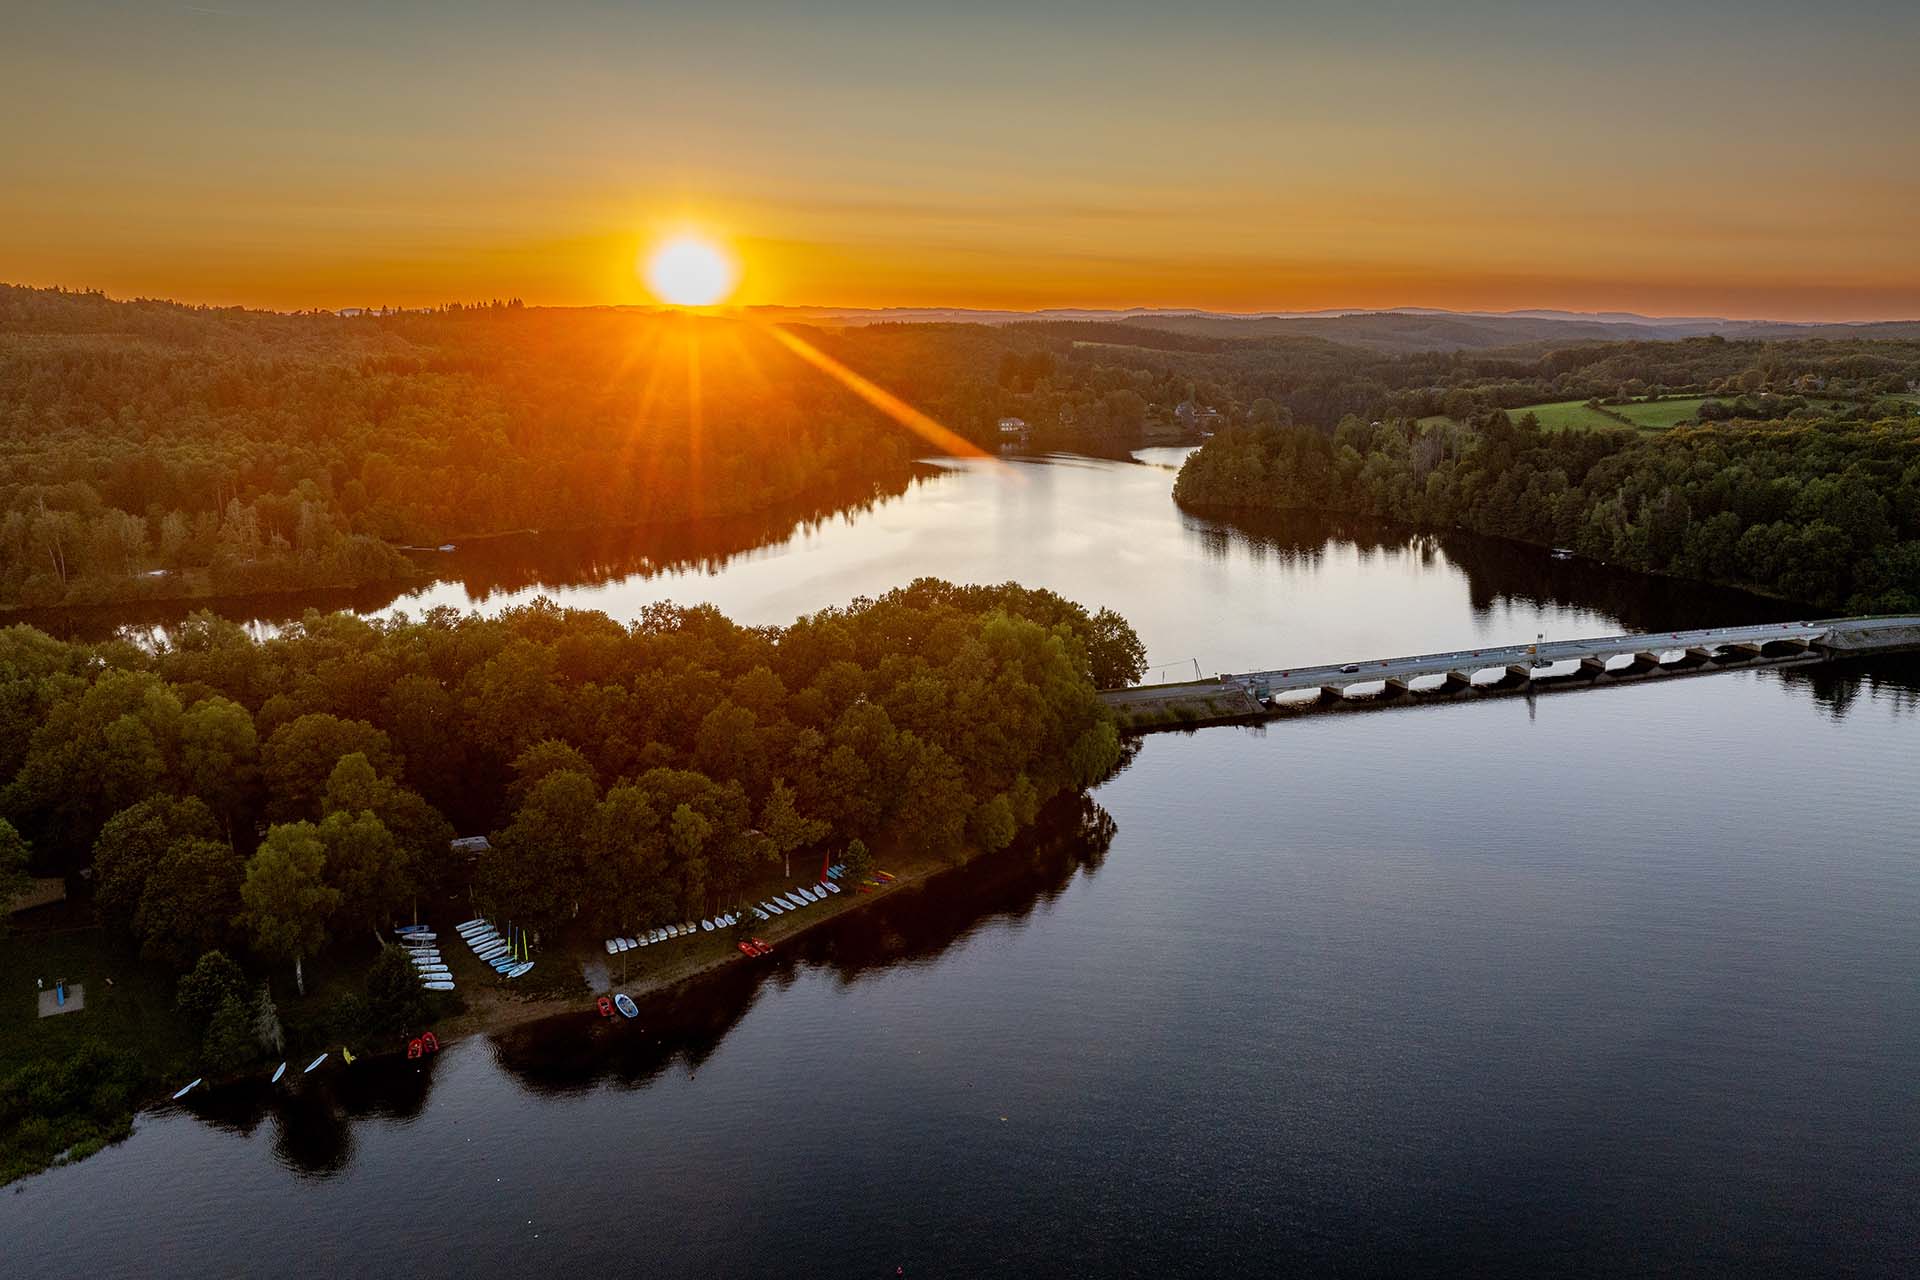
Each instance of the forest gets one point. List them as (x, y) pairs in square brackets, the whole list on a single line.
[(236, 807), (1821, 512), (150, 450)]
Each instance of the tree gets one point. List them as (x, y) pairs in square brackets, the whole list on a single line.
[(229, 1043), (213, 980), (858, 861), (534, 867), (219, 756), (395, 1000), (300, 756), (286, 900), (267, 1031), (368, 868), (14, 879), (189, 901), (786, 829), (131, 845)]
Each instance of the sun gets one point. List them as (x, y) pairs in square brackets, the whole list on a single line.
[(690, 271)]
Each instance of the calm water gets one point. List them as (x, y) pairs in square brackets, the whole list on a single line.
[(1618, 982)]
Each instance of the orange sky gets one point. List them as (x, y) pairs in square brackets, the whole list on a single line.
[(1741, 160)]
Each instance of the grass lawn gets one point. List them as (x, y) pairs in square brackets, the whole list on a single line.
[(1662, 414), (135, 1013)]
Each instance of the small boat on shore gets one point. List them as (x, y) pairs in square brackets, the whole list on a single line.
[(706, 926), (832, 887), (190, 1087), (464, 925), (277, 1073), (316, 1062), (774, 907), (437, 986), (612, 946), (521, 969), (626, 1006)]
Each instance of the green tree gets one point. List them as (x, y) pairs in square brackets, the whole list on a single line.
[(189, 901), (14, 878), (213, 979), (219, 756), (786, 829), (285, 898), (299, 757), (132, 844), (229, 1043), (367, 867), (395, 999)]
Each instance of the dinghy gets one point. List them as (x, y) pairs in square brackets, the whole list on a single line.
[(277, 1073), (316, 1062), (437, 986), (520, 969), (763, 915), (191, 1085), (706, 926), (832, 887), (774, 907), (626, 1006), (613, 946)]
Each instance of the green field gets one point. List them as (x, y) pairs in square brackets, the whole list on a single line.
[(1662, 414), (1567, 415)]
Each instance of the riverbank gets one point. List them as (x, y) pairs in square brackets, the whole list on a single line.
[(663, 967)]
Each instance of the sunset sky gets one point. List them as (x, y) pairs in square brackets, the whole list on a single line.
[(1740, 159)]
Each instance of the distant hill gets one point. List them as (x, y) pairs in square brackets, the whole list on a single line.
[(1396, 332)]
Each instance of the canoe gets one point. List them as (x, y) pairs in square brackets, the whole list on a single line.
[(706, 926), (189, 1088), (316, 1062), (437, 986), (520, 969), (626, 1006), (277, 1073)]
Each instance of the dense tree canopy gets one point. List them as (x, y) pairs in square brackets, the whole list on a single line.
[(272, 794), (1825, 513)]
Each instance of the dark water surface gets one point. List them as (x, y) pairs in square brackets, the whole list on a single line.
[(1619, 982)]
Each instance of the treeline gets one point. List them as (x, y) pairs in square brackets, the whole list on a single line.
[(1824, 513), (225, 792), (154, 450)]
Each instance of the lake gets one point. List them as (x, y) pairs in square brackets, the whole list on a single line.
[(1609, 983)]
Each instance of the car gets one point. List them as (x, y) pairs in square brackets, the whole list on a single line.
[(1351, 668)]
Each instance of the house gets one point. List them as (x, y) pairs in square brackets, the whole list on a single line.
[(1013, 427)]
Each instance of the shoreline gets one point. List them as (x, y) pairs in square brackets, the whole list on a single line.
[(494, 1008)]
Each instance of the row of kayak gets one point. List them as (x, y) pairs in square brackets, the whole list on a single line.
[(493, 949), (423, 952), (779, 904), (668, 932)]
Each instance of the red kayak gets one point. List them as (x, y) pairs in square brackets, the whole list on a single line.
[(746, 949), (762, 948), (605, 1006)]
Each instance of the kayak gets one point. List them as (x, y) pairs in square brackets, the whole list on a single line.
[(519, 969), (277, 1073), (464, 925), (437, 986), (419, 935), (626, 1006), (316, 1062), (406, 929), (189, 1089)]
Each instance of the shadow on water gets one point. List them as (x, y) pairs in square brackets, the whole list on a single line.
[(684, 1026), (313, 1116)]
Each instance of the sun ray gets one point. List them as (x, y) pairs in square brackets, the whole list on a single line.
[(943, 438)]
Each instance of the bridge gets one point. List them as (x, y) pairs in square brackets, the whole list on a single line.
[(1514, 668)]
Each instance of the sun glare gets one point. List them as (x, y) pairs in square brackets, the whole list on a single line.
[(690, 271)]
